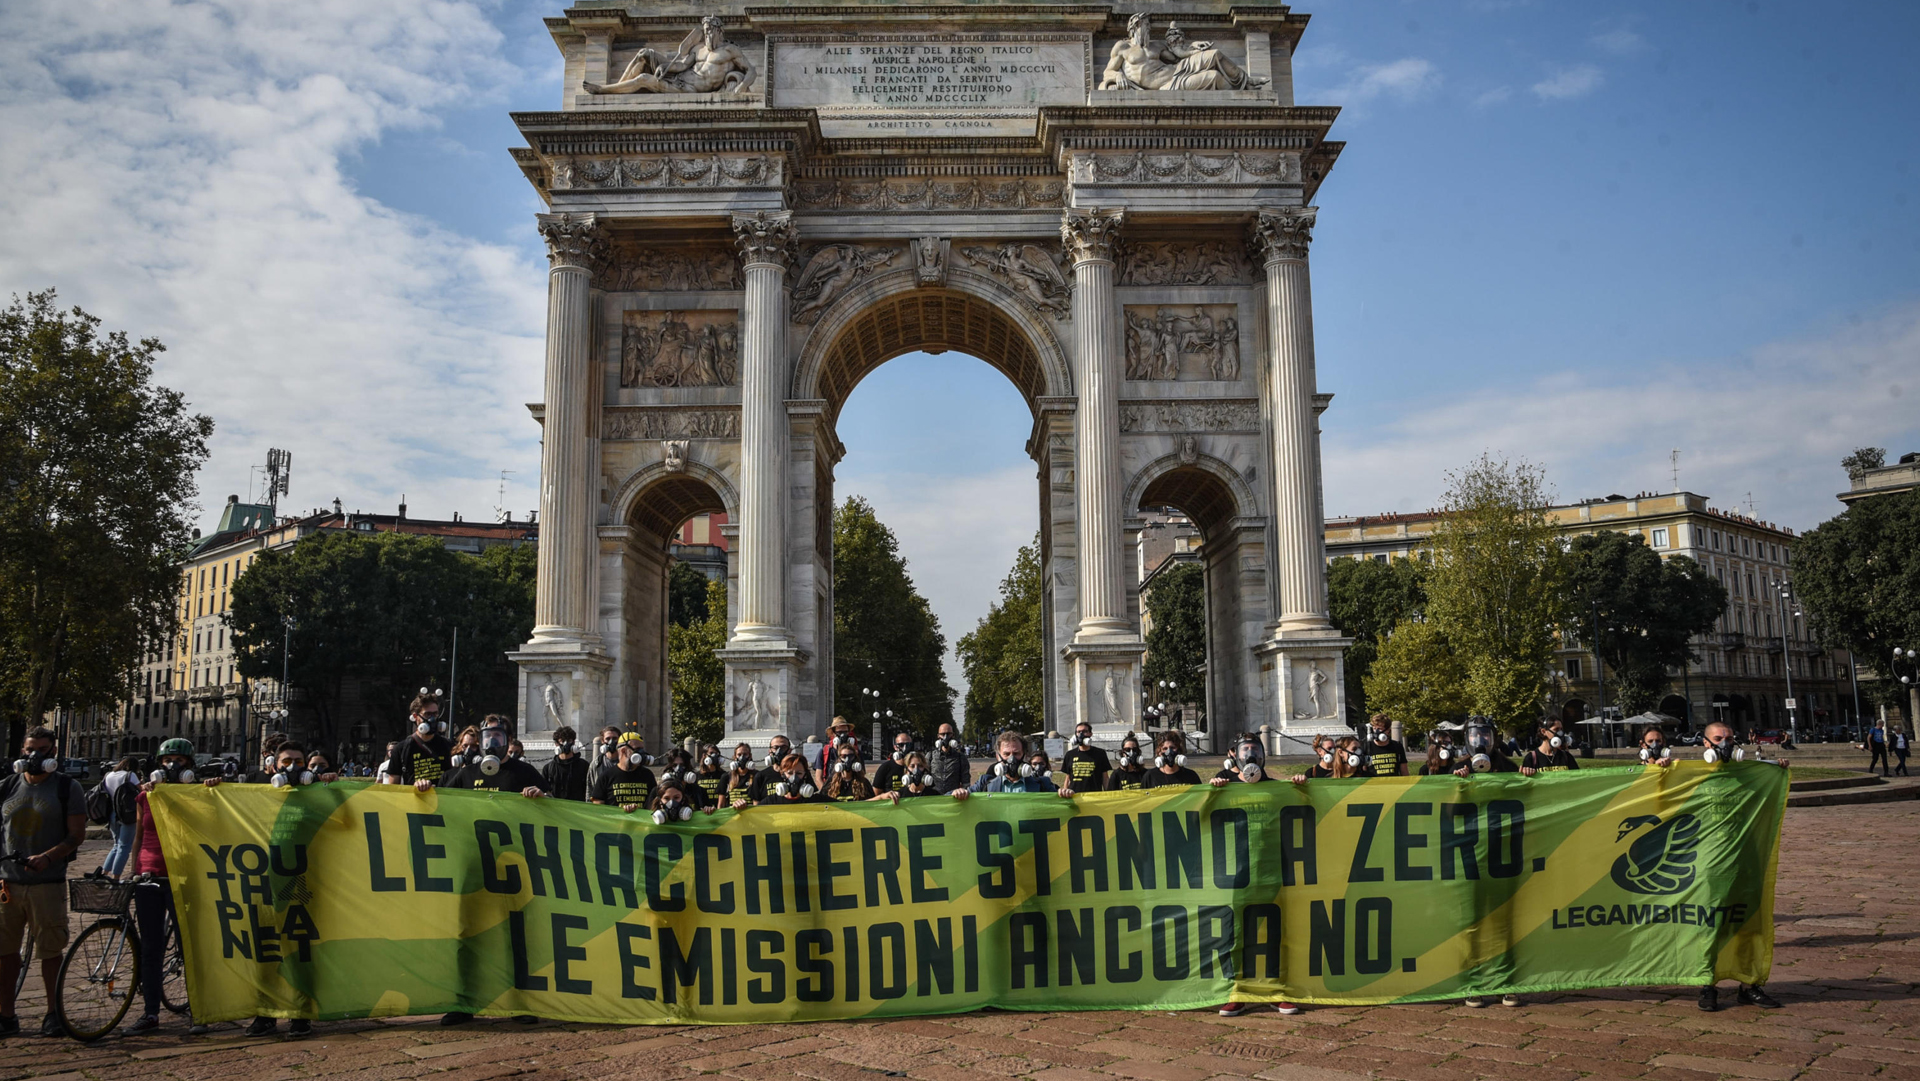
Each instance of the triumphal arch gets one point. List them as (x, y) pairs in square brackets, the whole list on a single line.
[(753, 206)]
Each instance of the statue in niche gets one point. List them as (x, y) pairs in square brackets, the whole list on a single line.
[(1314, 680), (677, 353), (703, 64), (1140, 63), (1226, 349), (1029, 271), (754, 711), (1111, 692), (831, 272), (1143, 346)]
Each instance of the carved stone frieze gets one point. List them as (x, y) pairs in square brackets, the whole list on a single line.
[(680, 349), (930, 255), (1180, 262), (1140, 63), (830, 271), (1189, 417), (1028, 271), (1090, 235), (704, 171), (930, 193), (703, 64), (1185, 341), (1186, 168), (573, 240), (764, 238), (658, 423), (1284, 233), (638, 268)]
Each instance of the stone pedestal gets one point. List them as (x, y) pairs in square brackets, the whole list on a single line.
[(1106, 688), (560, 687), (1305, 680), (761, 695)]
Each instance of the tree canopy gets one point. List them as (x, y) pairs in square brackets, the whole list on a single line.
[(1417, 679), (1367, 600), (687, 595), (1646, 609), (697, 676), (97, 495), (1176, 603), (886, 637), (1004, 661), (1858, 574)]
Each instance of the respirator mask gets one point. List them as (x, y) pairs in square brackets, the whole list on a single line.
[(1129, 757), (1353, 760), (792, 787), (1556, 741), (1034, 769), (1654, 750), (901, 751), (427, 728), (1380, 735), (1083, 740), (1481, 763), (672, 810), (295, 775), (1166, 758), (849, 765), (1326, 758), (173, 773), (1724, 751), (712, 761), (567, 747), (1007, 767), (34, 763), (775, 754), (947, 744), (921, 778), (1444, 752)]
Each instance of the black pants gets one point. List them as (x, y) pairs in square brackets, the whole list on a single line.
[(1879, 756), (1901, 754), (152, 904)]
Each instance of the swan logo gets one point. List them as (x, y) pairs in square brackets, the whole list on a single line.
[(1660, 859)]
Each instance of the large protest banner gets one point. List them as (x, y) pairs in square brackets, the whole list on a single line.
[(352, 899)]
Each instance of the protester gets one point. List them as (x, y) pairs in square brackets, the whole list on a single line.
[(490, 767), (1549, 755), (1877, 748), (1484, 754), (1085, 765), (605, 756), (629, 785), (43, 822), (711, 775), (1170, 764), (1248, 764), (951, 770), (1322, 766), (1015, 770), (891, 776), (1442, 756), (839, 734), (793, 784), (914, 777), (122, 785), (1130, 772), (778, 748), (1720, 748), (679, 771), (740, 776), (421, 758), (1653, 747), (565, 773), (153, 899), (848, 780), (1386, 756), (1350, 760)]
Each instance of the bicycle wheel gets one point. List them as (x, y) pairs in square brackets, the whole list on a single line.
[(173, 972), (26, 966), (97, 981)]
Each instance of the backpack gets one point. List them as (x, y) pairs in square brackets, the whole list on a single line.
[(100, 804), (126, 808)]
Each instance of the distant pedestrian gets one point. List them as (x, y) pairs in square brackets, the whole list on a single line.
[(1877, 746), (1900, 748)]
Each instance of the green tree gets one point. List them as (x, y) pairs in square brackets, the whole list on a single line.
[(1417, 679), (1645, 609), (886, 637), (374, 615), (1003, 659), (1177, 641), (1858, 574), (1367, 600), (1496, 589), (697, 676), (1863, 459), (686, 595), (96, 500)]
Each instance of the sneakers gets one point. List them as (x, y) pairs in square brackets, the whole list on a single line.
[(10, 1026), (146, 1023), (262, 1026), (1709, 998), (526, 1019), (1287, 1008), (1509, 1000), (1235, 1009), (298, 1028), (51, 1026), (1476, 1002), (454, 1017), (1755, 996)]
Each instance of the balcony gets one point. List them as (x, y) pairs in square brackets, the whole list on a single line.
[(1733, 640)]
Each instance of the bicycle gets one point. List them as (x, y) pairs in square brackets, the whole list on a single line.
[(101, 972)]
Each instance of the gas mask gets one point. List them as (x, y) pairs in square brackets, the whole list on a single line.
[(295, 775), (1556, 741), (1654, 750), (1479, 739), (712, 761), (849, 765), (1380, 735), (566, 747), (1353, 760), (1444, 752), (916, 777), (1083, 740), (1008, 767), (947, 744), (1326, 758), (1169, 758), (428, 728), (34, 763), (793, 787), (901, 751), (682, 775), (1724, 751), (742, 763), (1481, 763), (1251, 772), (173, 773), (775, 754), (672, 810), (1129, 757), (1034, 769)]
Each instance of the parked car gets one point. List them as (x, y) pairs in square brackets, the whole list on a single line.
[(1770, 735)]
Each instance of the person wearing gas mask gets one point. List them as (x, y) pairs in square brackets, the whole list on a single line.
[(1442, 756), (1653, 747), (1170, 764), (1483, 753), (740, 774), (839, 734), (483, 764), (1386, 756), (847, 781), (915, 780), (1015, 770), (43, 821), (1549, 755), (1085, 765), (1719, 748), (1350, 759), (153, 900), (710, 774), (680, 771), (422, 757), (675, 803), (792, 784), (565, 773), (291, 767), (604, 755), (1248, 764), (1322, 766), (890, 776), (772, 773), (951, 770), (1129, 773), (629, 785)]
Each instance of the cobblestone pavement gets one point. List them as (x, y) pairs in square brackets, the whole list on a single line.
[(1846, 968)]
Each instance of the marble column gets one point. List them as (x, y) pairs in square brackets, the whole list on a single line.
[(1299, 540), (562, 612), (1089, 238), (766, 248)]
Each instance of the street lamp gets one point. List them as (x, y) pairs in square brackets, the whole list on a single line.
[(1783, 596), (1910, 679)]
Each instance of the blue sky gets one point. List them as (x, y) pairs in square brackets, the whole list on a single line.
[(1581, 235)]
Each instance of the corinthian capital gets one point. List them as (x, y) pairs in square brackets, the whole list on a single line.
[(764, 238), (1284, 233), (1091, 234), (573, 240)]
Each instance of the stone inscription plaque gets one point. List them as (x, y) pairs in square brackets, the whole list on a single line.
[(873, 85)]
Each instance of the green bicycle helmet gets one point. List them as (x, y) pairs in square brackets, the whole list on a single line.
[(177, 746)]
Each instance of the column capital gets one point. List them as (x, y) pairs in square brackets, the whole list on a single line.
[(1091, 234), (765, 238), (1284, 233), (575, 240)]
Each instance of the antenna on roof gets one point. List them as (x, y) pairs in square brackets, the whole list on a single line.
[(1674, 457), (500, 512), (279, 472)]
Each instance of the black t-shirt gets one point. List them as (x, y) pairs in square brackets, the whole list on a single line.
[(514, 776), (890, 777), (1086, 769), (1234, 776), (763, 783), (1156, 778), (740, 785), (772, 800), (566, 777), (713, 784), (1384, 759), (620, 787), (1546, 763), (420, 762), (1316, 772)]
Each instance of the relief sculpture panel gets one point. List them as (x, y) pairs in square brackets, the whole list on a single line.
[(1183, 341), (680, 349), (672, 268), (1176, 262)]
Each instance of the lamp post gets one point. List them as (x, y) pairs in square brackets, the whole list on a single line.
[(1910, 679), (1783, 596)]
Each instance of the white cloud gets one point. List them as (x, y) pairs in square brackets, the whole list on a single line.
[(1619, 42), (1774, 423), (1494, 97), (1404, 79), (176, 169), (1574, 82)]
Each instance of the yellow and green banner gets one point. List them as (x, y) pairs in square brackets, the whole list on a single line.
[(351, 899)]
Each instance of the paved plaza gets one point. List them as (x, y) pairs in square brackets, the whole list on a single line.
[(1846, 969)]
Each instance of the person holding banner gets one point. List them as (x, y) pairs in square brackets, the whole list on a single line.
[(565, 773), (1483, 751), (1170, 765), (153, 899), (1653, 747), (1248, 764), (778, 748), (951, 770), (1350, 759), (1550, 755), (914, 777), (891, 776), (848, 782), (711, 776), (1442, 757), (1015, 770), (486, 767), (629, 785), (794, 785), (740, 774), (1719, 748), (1085, 765), (1130, 775), (1386, 756), (422, 757), (1322, 767)]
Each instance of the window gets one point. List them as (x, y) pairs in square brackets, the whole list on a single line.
[(1746, 545), (1659, 538), (1380, 558), (1716, 540), (1751, 592), (1573, 668), (1775, 549)]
